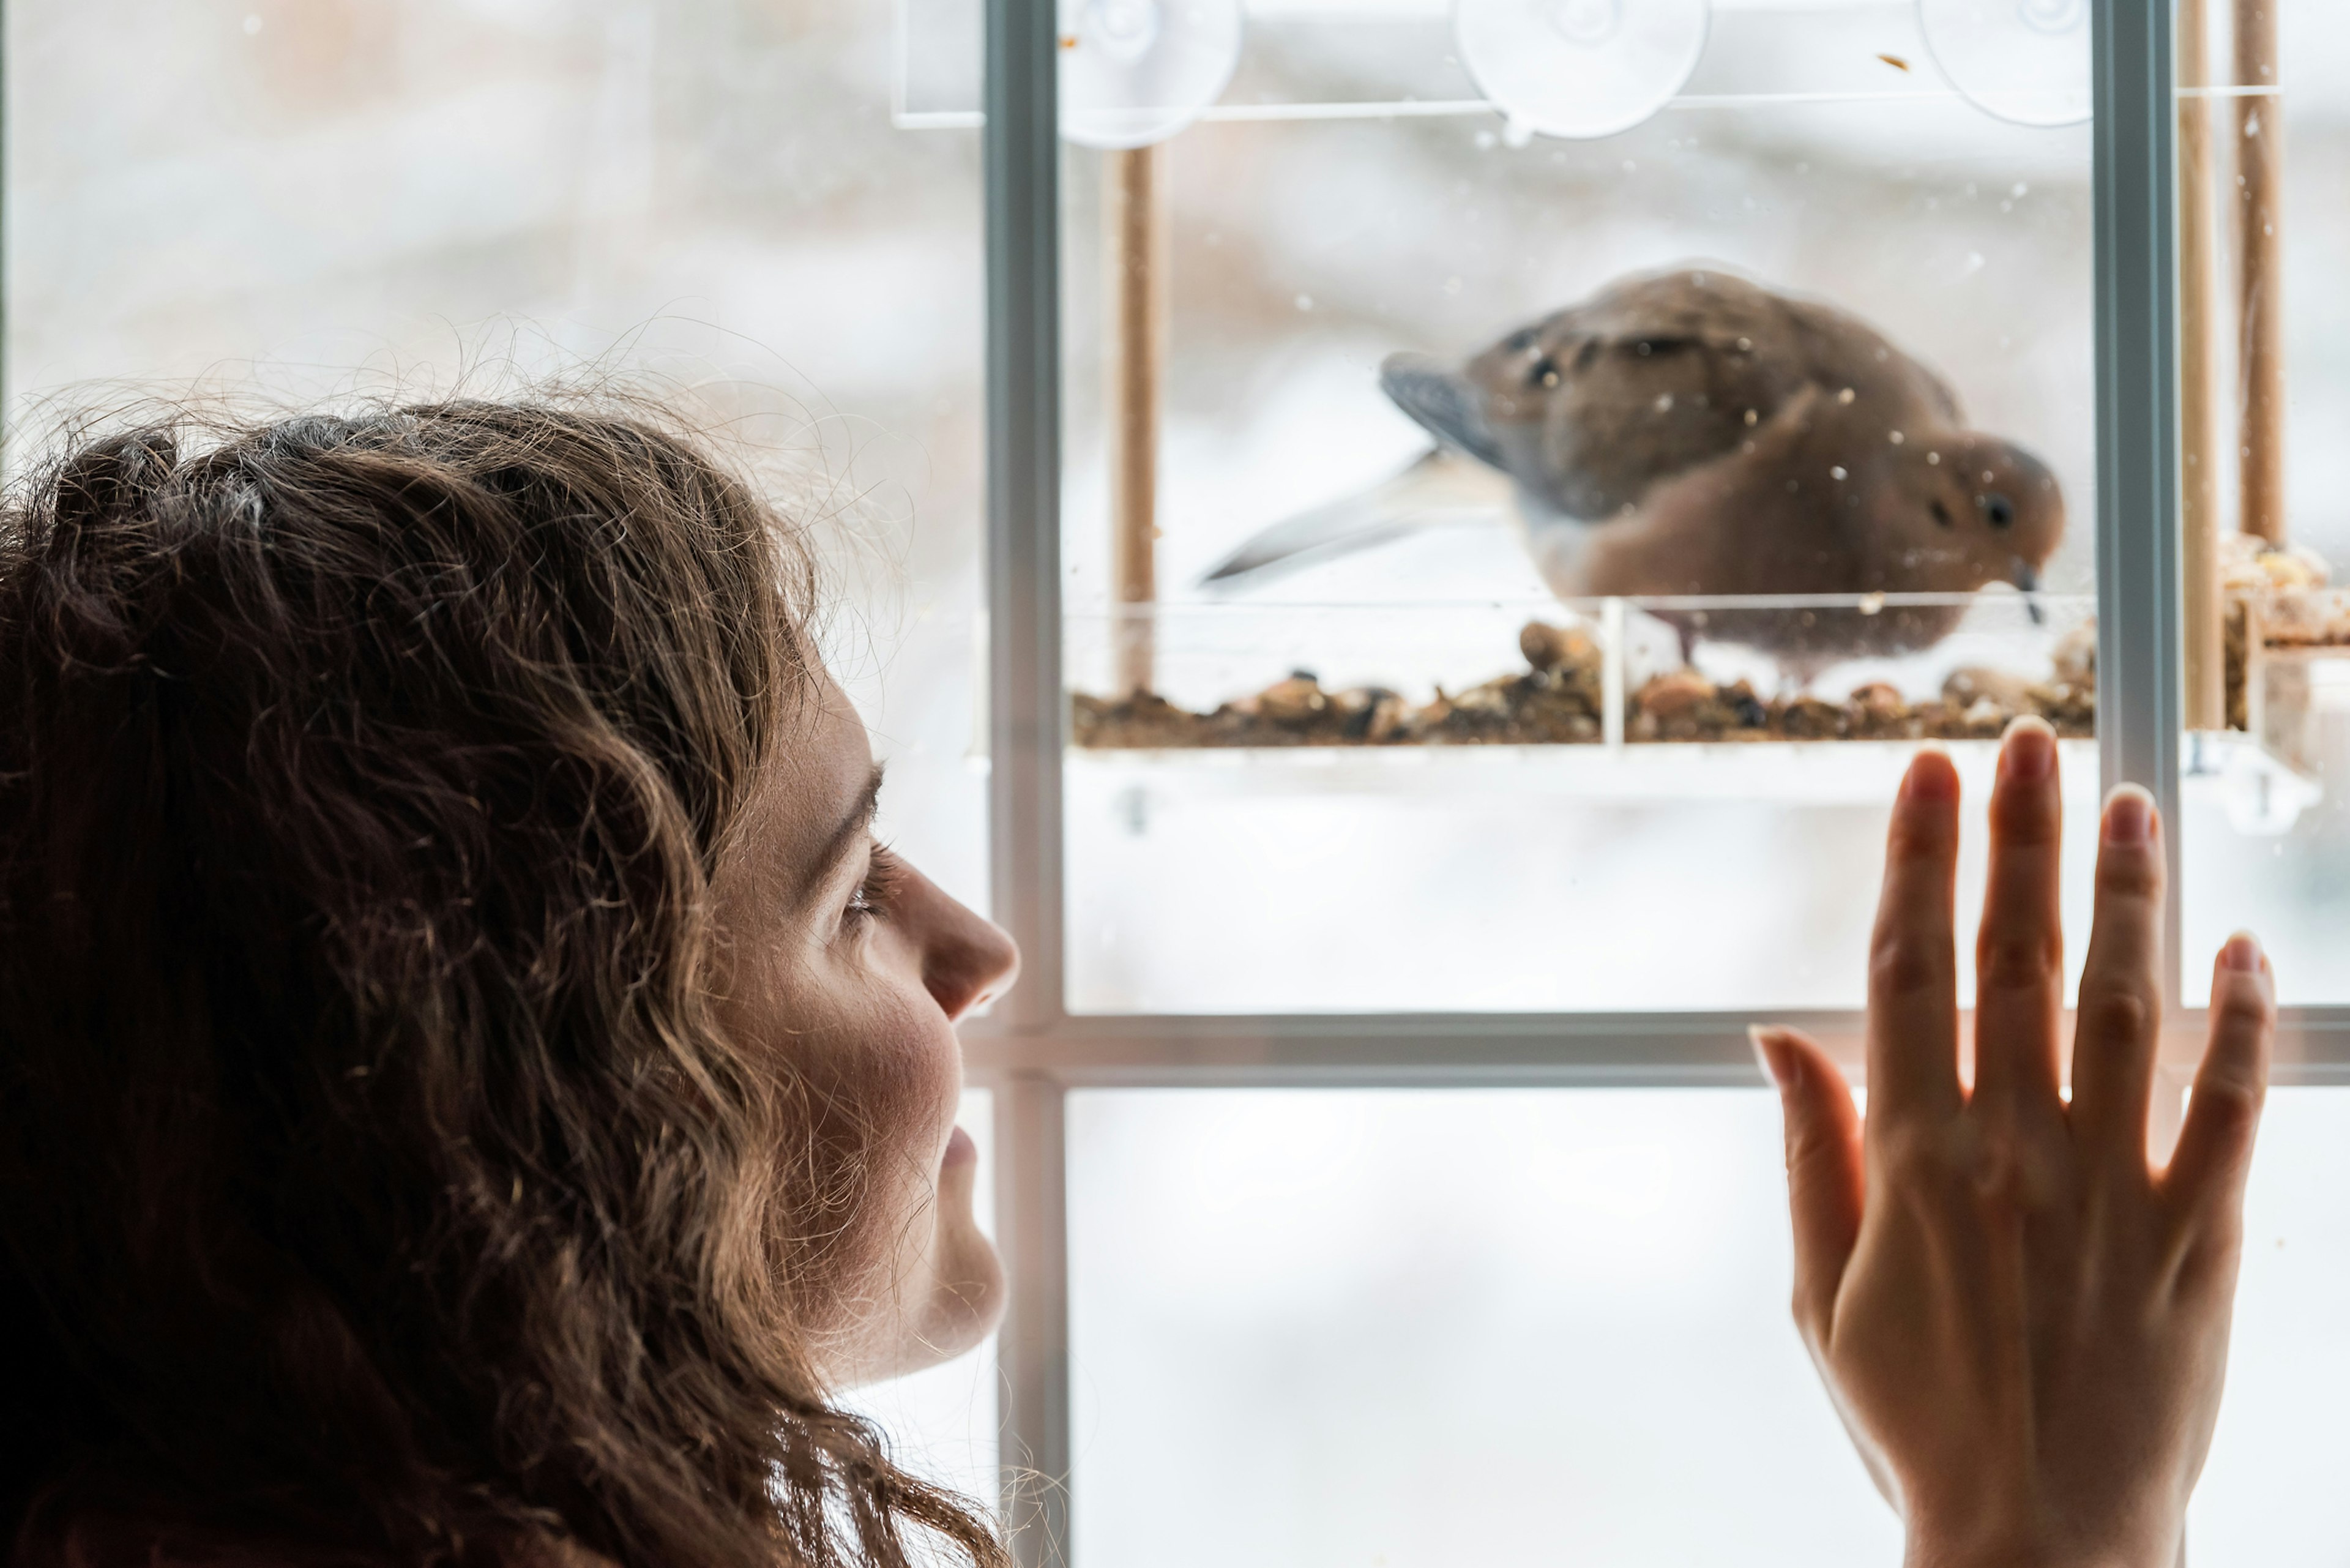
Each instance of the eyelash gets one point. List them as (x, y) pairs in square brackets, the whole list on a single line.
[(872, 897)]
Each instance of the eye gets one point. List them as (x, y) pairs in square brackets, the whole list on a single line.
[(1942, 515), (874, 894), (1543, 372), (1998, 508)]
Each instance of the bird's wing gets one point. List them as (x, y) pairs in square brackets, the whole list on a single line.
[(1447, 404), (1438, 490), (1770, 518), (1843, 350), (1648, 381)]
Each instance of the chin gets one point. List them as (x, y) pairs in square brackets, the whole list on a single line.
[(967, 1295), (950, 1291)]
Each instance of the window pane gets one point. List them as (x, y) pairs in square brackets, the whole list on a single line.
[(1439, 1327), (1429, 1328), (1352, 784), (2267, 842), (305, 197), (2272, 1493)]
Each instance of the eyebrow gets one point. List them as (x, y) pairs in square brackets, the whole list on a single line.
[(853, 827)]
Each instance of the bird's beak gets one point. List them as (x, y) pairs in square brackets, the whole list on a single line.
[(2026, 577)]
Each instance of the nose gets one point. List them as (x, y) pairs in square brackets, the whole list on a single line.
[(1997, 508), (968, 960)]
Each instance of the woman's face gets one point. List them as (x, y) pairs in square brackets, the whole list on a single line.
[(853, 968)]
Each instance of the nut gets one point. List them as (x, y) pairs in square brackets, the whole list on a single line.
[(1974, 684), (1672, 694), (1549, 646), (1292, 701), (1878, 700)]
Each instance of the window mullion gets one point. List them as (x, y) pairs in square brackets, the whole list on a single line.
[(2139, 656)]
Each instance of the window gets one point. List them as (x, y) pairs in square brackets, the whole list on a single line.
[(2265, 382), (1290, 1110)]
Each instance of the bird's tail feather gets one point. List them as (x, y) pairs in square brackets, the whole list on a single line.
[(1440, 489)]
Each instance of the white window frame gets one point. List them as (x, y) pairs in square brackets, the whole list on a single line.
[(1032, 1051)]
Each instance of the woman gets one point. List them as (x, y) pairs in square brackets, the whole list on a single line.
[(472, 1085), (471, 1089)]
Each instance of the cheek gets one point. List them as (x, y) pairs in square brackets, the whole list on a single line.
[(904, 1067), (883, 1074)]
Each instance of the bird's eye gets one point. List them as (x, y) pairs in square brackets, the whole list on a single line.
[(1998, 508), (1942, 515), (1543, 372)]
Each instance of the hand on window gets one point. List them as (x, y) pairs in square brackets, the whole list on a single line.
[(2023, 1324)]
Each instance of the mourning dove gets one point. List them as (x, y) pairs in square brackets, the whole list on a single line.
[(1694, 433)]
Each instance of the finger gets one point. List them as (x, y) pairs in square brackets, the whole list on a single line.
[(2215, 1146), (2020, 951), (1913, 998), (2120, 1013), (1823, 1169)]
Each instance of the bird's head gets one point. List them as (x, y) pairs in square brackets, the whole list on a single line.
[(1982, 510)]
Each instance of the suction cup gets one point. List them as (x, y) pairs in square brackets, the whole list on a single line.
[(1137, 71), (2024, 61), (1580, 68)]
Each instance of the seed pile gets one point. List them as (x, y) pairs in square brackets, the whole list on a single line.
[(1556, 700), (1554, 703)]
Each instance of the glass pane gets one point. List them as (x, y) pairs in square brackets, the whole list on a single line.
[(1377, 1327), (1469, 1327), (941, 1423), (1357, 727), (2271, 1495), (2265, 118), (304, 198)]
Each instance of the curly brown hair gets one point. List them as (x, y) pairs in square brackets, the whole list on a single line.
[(375, 1183)]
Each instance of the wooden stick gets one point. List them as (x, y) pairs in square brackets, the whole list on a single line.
[(2260, 176), (2206, 693), (1134, 204)]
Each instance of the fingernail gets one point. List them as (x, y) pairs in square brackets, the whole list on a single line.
[(1771, 1050), (2030, 755), (2242, 954), (1931, 777), (2130, 816)]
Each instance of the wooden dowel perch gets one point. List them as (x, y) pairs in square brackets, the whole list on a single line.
[(2206, 693), (1134, 205), (2260, 176)]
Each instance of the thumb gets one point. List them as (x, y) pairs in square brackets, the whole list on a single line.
[(1825, 1184)]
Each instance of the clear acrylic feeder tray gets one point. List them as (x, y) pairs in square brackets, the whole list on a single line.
[(1612, 672), (2289, 672), (1524, 805)]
